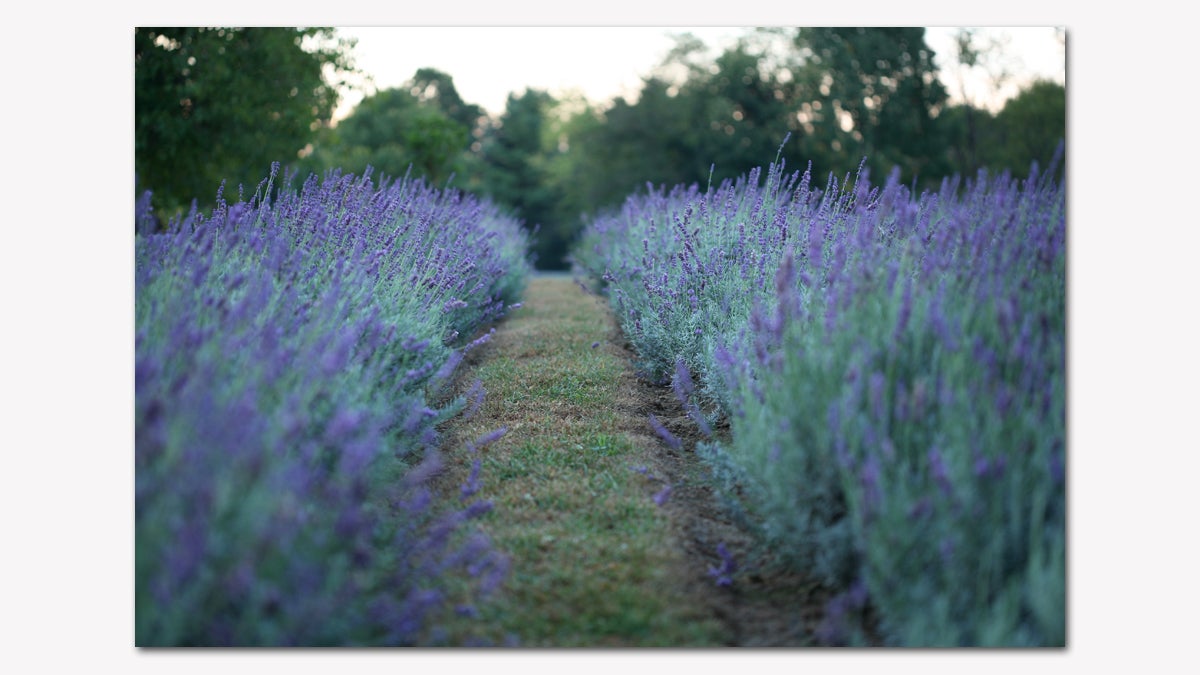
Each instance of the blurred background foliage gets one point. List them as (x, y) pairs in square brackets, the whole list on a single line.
[(222, 104), (213, 104)]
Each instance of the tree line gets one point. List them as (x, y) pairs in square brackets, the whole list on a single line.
[(216, 105)]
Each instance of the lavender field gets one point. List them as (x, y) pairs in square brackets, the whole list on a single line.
[(881, 377), (877, 380)]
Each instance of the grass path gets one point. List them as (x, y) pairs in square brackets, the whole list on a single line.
[(603, 553)]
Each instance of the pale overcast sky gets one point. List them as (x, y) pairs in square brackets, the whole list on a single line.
[(487, 63)]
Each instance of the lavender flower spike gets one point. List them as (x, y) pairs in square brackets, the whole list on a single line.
[(662, 495), (724, 573), (663, 433)]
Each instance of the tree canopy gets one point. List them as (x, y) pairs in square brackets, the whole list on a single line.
[(422, 126), (1030, 127), (879, 97), (516, 153), (222, 104)]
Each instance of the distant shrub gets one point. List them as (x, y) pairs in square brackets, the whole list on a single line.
[(288, 349)]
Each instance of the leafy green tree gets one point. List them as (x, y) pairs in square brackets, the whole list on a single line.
[(879, 97), (969, 125), (695, 119), (214, 104), (572, 171), (750, 109), (432, 86), (1027, 129), (391, 131), (1030, 127), (516, 152), (422, 126), (655, 140), (969, 132), (841, 95)]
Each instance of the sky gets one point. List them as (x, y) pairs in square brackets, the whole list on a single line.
[(487, 63)]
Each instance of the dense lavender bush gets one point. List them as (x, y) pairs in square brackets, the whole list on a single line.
[(685, 268), (289, 352), (895, 390)]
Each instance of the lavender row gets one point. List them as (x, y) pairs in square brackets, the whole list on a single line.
[(292, 356), (892, 372)]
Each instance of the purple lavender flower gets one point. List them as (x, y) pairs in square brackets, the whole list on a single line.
[(343, 424), (698, 417), (869, 476), (682, 382), (785, 278), (442, 376), (905, 311), (937, 319), (875, 387), (1057, 468), (474, 396), (665, 434), (488, 438), (816, 242), (662, 495), (858, 595), (472, 484), (724, 573), (477, 509), (453, 304), (937, 468), (982, 467), (946, 549), (921, 509)]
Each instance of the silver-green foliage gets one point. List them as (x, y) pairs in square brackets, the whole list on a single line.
[(291, 360), (893, 372)]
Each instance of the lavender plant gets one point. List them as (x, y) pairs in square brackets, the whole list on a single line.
[(685, 269), (893, 373), (290, 350), (952, 423)]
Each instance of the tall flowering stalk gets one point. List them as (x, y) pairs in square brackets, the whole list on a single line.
[(289, 349)]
